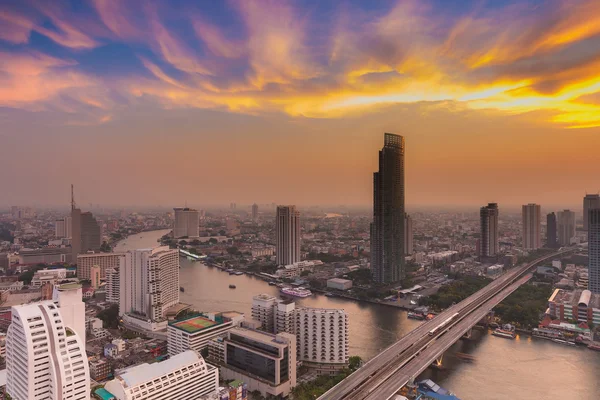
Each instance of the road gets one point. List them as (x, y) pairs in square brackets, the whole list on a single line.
[(385, 366)]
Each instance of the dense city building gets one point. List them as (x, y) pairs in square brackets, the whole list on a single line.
[(387, 228), (322, 339), (532, 226), (187, 223), (590, 201), (104, 260), (46, 255), (578, 305), (594, 250), (60, 229), (194, 333), (551, 231), (113, 285), (408, 235), (183, 376), (149, 285), (45, 355), (86, 233), (565, 223), (287, 235), (488, 241), (254, 212)]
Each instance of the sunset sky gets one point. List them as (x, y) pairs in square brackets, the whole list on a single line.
[(209, 102)]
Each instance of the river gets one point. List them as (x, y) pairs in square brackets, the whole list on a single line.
[(525, 368)]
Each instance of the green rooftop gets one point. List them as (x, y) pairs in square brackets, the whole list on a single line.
[(104, 394), (194, 324)]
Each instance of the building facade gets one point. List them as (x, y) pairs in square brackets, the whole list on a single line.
[(187, 223), (488, 242), (195, 332), (254, 212), (183, 376), (551, 231), (322, 339), (86, 233), (594, 251), (408, 235), (104, 260), (590, 201), (149, 283), (113, 285), (387, 229), (287, 231), (532, 226), (60, 230), (45, 357), (565, 227)]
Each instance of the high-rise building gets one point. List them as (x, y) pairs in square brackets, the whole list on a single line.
[(488, 242), (551, 231), (194, 333), (183, 376), (287, 230), (86, 233), (68, 297), (45, 355), (113, 285), (263, 310), (594, 250), (322, 339), (590, 201), (149, 285), (408, 235), (104, 260), (387, 229), (254, 212), (266, 362), (95, 276), (187, 223), (60, 230), (532, 226), (566, 226)]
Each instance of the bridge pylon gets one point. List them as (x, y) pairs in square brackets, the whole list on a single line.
[(468, 334)]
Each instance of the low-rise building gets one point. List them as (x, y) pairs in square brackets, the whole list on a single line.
[(193, 333), (294, 270), (578, 305), (47, 255), (51, 276), (339, 284), (183, 376), (99, 369)]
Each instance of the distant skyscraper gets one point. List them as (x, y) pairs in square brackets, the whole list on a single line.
[(566, 226), (590, 201), (488, 215), (287, 230), (408, 235), (387, 229), (86, 233), (594, 250), (254, 212), (551, 231), (187, 223), (60, 230), (532, 226)]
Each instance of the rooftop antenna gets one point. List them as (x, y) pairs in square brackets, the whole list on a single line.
[(72, 198)]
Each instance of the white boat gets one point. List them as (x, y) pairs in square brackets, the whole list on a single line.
[(297, 292), (560, 341), (504, 334)]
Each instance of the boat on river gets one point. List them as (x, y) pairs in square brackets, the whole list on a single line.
[(296, 292), (232, 286)]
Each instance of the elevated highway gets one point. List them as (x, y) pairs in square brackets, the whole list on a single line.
[(386, 373)]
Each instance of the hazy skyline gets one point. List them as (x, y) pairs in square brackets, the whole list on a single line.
[(156, 103)]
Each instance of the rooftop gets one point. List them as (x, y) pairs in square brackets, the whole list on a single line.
[(571, 297), (139, 374), (198, 323)]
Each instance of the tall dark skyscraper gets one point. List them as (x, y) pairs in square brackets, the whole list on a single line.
[(387, 229), (551, 231), (85, 231), (594, 250), (488, 246), (287, 231), (590, 201)]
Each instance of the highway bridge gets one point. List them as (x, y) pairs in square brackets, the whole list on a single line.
[(384, 375)]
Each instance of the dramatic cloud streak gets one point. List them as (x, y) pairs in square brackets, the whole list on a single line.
[(324, 60)]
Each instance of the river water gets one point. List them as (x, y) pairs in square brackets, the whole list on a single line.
[(525, 368)]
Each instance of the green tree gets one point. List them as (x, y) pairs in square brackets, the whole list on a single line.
[(110, 316)]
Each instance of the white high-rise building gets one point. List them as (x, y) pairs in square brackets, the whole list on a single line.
[(187, 223), (72, 308), (85, 262), (532, 226), (263, 310), (149, 285), (408, 235), (565, 221), (183, 376), (590, 202), (287, 227), (113, 285), (45, 355), (322, 339)]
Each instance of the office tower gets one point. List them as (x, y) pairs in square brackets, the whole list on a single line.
[(75, 232), (322, 339), (113, 285), (60, 230), (566, 226), (264, 361), (182, 376), (86, 235), (254, 212), (104, 260), (287, 230), (387, 229), (408, 235), (194, 333), (532, 226), (187, 223), (45, 356), (551, 231), (590, 201), (149, 284), (488, 215), (594, 250)]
